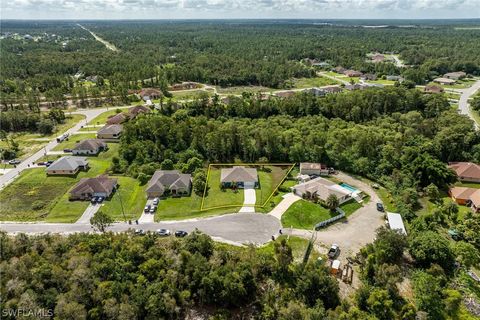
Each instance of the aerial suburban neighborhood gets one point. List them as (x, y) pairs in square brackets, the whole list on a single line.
[(239, 169)]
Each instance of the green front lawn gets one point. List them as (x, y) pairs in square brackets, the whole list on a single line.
[(240, 90), (313, 82), (304, 214), (351, 206), (269, 182), (72, 141), (131, 195), (186, 208)]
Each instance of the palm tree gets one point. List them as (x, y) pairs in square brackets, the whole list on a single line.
[(332, 202)]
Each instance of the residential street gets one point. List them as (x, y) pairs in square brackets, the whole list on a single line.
[(463, 105)]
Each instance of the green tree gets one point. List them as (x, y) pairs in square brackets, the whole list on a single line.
[(101, 221), (332, 202), (167, 164), (380, 304), (429, 247)]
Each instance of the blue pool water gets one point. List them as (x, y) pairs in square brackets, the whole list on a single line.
[(348, 187)]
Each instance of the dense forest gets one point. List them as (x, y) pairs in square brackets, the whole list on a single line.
[(221, 53)]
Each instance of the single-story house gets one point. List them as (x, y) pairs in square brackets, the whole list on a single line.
[(184, 86), (239, 176), (86, 188), (455, 75), (394, 78), (173, 180), (117, 119), (369, 76), (339, 69), (321, 188), (313, 169), (378, 57), (431, 88), (318, 92), (352, 73), (285, 94), (68, 165), (466, 196), (110, 131), (332, 89), (150, 94), (395, 222), (89, 147), (322, 64), (466, 171), (135, 111), (356, 86), (445, 81)]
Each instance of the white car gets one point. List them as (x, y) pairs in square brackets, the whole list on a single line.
[(156, 201), (163, 232)]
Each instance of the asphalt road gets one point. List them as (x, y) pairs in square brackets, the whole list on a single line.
[(463, 105), (238, 228), (89, 114)]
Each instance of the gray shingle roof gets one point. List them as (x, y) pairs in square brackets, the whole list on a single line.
[(100, 184), (239, 174), (171, 179), (110, 129), (90, 144), (68, 163)]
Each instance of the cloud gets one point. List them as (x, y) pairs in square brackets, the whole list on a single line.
[(243, 8)]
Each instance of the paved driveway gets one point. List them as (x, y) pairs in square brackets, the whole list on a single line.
[(463, 104), (88, 213), (249, 200), (286, 202)]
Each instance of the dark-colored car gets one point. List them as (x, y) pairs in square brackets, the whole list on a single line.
[(139, 232), (380, 207), (181, 233), (41, 163), (67, 150), (93, 200), (334, 251)]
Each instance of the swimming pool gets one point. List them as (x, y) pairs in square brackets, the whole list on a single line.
[(348, 187)]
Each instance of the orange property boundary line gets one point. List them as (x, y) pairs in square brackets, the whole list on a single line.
[(292, 165)]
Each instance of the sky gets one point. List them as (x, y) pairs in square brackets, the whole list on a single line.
[(239, 9)]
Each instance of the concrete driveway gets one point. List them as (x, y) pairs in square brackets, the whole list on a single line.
[(249, 200), (147, 217), (88, 213), (287, 201)]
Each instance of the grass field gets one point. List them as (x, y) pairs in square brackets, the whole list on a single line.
[(313, 82), (72, 141), (29, 143), (186, 208), (242, 89), (381, 81), (304, 214), (298, 245), (131, 195), (190, 95)]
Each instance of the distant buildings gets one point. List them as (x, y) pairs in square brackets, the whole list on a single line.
[(117, 119), (431, 88), (317, 169), (444, 81), (89, 147), (466, 196), (455, 75), (394, 78), (352, 73), (466, 171)]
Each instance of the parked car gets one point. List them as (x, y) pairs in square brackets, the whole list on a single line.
[(139, 232), (334, 251), (163, 232), (67, 150), (100, 199), (180, 233), (380, 207), (152, 209), (147, 208), (49, 162), (41, 163), (93, 200), (156, 201), (14, 161)]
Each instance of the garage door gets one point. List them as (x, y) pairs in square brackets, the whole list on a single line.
[(249, 185)]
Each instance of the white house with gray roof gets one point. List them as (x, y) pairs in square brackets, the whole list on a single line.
[(322, 188), (67, 165), (239, 176), (169, 180), (89, 147)]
